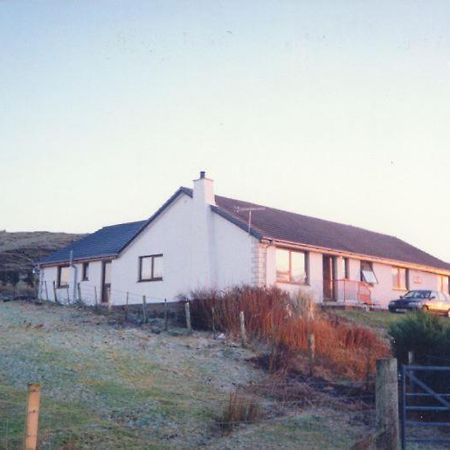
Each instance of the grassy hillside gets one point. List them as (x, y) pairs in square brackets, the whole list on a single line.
[(20, 250), (105, 386)]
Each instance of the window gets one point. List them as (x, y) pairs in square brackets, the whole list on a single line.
[(63, 276), (367, 273), (291, 266), (150, 268), (85, 272), (399, 278)]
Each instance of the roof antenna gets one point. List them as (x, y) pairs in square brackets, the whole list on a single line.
[(250, 209)]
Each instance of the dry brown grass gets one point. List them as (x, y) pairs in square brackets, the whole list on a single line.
[(240, 409), (283, 322)]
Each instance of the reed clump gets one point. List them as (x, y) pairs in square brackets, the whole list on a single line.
[(274, 317)]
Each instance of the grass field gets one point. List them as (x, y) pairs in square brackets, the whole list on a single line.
[(106, 386), (379, 320)]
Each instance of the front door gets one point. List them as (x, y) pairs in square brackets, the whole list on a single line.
[(106, 281), (329, 263)]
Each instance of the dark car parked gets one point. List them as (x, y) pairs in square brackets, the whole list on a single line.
[(424, 299)]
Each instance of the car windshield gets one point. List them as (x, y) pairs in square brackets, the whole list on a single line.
[(417, 294)]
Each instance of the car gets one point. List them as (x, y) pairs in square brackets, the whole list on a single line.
[(422, 299)]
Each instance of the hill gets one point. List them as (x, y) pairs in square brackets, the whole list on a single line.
[(20, 250)]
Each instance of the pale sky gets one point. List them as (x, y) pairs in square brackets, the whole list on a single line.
[(334, 109)]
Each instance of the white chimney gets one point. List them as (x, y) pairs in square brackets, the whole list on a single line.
[(202, 238), (204, 190)]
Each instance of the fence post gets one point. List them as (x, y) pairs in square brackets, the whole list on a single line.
[(144, 312), (79, 291), (68, 295), (95, 298), (32, 419), (187, 310), (54, 292), (311, 352), (126, 306), (166, 316), (386, 403), (213, 316), (46, 290), (243, 331)]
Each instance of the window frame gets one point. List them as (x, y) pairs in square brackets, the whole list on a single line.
[(306, 264), (399, 286), (59, 285), (85, 271), (361, 274), (152, 277)]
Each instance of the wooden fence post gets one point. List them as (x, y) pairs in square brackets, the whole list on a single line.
[(46, 290), (187, 310), (95, 298), (126, 306), (166, 316), (79, 291), (144, 312), (54, 292), (243, 331), (213, 316), (311, 352), (32, 419), (386, 403)]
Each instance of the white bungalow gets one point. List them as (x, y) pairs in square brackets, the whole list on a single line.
[(201, 240)]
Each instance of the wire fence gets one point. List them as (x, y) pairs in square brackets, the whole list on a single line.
[(121, 306), (92, 294)]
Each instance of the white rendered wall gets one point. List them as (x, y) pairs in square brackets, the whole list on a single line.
[(234, 254), (91, 288), (384, 291), (169, 234), (48, 275), (191, 260), (381, 293)]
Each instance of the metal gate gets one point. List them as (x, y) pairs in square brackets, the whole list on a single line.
[(425, 404)]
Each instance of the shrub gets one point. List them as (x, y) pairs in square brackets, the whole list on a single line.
[(283, 322), (239, 409), (422, 333)]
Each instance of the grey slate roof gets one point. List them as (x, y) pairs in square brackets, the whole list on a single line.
[(269, 223), (108, 241), (286, 226)]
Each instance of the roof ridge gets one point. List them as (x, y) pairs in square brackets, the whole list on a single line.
[(121, 224)]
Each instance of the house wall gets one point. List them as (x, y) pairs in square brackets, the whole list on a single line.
[(384, 291), (381, 293), (91, 288), (48, 275), (236, 255), (170, 235), (226, 255)]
